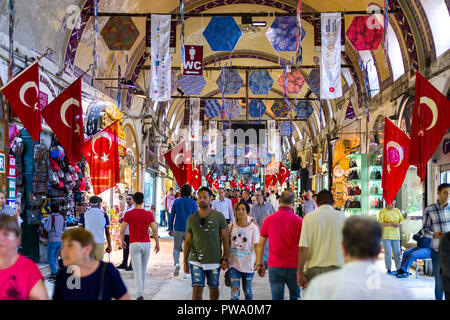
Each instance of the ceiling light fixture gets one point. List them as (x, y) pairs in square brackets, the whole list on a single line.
[(259, 23)]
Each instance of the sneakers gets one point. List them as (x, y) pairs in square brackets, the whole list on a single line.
[(187, 275), (121, 266), (51, 277), (176, 270), (402, 275), (129, 268), (392, 273)]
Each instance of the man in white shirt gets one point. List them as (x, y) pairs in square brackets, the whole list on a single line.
[(126, 251), (225, 206), (359, 278), (96, 222), (320, 241)]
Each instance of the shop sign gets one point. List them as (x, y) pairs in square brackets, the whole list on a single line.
[(12, 167), (162, 169), (442, 154), (193, 64), (2, 163), (11, 188), (47, 91)]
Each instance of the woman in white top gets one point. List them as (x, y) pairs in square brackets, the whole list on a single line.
[(244, 238)]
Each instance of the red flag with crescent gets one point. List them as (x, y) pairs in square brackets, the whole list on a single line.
[(283, 174), (179, 160), (65, 116), (22, 93), (268, 181), (241, 184), (430, 122), (233, 183), (209, 179), (216, 183), (396, 151), (196, 178), (102, 155)]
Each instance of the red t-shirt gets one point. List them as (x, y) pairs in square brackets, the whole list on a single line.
[(17, 281), (283, 230), (139, 221)]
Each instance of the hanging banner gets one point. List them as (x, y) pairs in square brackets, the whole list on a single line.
[(193, 63), (160, 84), (212, 137), (194, 119), (330, 65)]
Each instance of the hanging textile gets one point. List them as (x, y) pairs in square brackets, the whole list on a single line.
[(294, 82), (256, 108), (212, 108), (182, 53), (304, 109), (299, 54), (279, 109), (260, 82), (282, 34), (286, 129), (119, 93), (330, 66), (229, 81), (350, 113), (194, 119), (11, 41), (192, 85), (212, 137), (222, 33), (385, 38), (232, 108), (366, 84), (161, 59), (94, 52), (365, 33), (313, 81)]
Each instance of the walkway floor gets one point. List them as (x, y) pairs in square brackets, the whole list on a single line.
[(162, 285)]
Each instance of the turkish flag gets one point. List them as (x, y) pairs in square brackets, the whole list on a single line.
[(102, 154), (179, 160), (196, 178), (216, 183), (23, 95), (396, 152), (430, 122), (233, 183), (209, 179), (268, 181), (283, 174), (241, 184), (65, 116)]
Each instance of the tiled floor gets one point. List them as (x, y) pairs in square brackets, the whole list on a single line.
[(161, 285)]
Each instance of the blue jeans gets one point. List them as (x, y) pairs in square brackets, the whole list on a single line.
[(438, 292), (410, 255), (53, 249), (388, 245), (247, 278), (198, 277), (162, 218), (266, 252), (278, 277)]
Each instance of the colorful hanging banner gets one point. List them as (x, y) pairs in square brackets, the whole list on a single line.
[(385, 38), (182, 53), (350, 113), (161, 60), (212, 138), (330, 66), (299, 31), (119, 94)]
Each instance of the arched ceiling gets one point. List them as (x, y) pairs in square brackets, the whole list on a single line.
[(253, 49)]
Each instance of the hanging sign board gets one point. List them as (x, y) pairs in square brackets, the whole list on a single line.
[(193, 64), (2, 163)]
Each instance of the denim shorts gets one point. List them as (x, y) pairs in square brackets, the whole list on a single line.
[(198, 277)]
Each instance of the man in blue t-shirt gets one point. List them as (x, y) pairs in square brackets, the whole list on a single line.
[(182, 208)]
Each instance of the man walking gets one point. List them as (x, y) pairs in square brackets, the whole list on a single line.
[(260, 211), (320, 243), (96, 222), (283, 230), (168, 203), (206, 231), (126, 251), (181, 210), (246, 197), (436, 222), (139, 221), (224, 206), (361, 245), (309, 204)]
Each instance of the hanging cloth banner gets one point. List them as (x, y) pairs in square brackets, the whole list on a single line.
[(385, 38), (194, 119), (94, 52), (212, 137), (330, 65), (160, 84)]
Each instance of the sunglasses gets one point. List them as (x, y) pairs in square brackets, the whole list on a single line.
[(202, 222)]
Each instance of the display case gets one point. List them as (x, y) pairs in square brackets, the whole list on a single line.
[(357, 185), (376, 202)]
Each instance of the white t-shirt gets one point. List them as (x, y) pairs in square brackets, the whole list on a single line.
[(127, 229), (95, 221), (322, 235), (242, 249), (357, 280)]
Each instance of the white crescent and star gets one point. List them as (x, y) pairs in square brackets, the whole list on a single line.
[(432, 105), (393, 144), (65, 106), (177, 157), (24, 89), (105, 135)]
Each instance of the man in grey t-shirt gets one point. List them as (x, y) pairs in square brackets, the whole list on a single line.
[(5, 209), (260, 211)]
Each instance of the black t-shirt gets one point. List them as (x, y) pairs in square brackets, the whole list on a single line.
[(88, 289)]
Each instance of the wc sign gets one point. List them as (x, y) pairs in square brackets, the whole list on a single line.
[(193, 64)]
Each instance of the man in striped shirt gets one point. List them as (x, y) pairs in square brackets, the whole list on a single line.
[(436, 222)]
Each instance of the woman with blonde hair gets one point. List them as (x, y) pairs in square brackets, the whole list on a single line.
[(20, 278)]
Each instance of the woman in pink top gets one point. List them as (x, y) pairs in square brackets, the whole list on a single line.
[(20, 278), (244, 237)]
